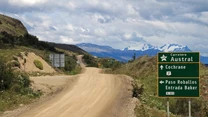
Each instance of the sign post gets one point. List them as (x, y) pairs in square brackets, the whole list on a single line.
[(168, 108), (189, 107), (178, 76)]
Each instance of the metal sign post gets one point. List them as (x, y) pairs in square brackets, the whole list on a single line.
[(178, 76), (189, 107), (168, 110)]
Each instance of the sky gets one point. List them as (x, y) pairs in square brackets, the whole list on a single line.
[(117, 23)]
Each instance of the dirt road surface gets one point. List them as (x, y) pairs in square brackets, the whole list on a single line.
[(93, 95)]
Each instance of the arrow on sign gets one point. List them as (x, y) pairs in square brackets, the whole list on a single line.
[(161, 67), (161, 82)]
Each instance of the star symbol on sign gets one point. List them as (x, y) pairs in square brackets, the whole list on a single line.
[(163, 58)]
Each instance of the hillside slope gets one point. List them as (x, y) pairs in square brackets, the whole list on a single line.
[(12, 26), (29, 65), (69, 47), (144, 70), (15, 68)]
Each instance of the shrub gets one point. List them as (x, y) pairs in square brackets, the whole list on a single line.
[(20, 55), (6, 75), (90, 60), (15, 64), (70, 63), (15, 58), (23, 79), (38, 64), (16, 88)]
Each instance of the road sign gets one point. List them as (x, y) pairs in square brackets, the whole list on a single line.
[(176, 57), (178, 74), (178, 70), (57, 60)]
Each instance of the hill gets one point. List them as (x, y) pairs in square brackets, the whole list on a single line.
[(72, 48), (144, 70), (12, 26), (23, 55)]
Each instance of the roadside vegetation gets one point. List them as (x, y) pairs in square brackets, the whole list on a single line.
[(90, 60), (107, 63), (143, 70), (71, 66), (14, 88), (38, 64), (27, 40)]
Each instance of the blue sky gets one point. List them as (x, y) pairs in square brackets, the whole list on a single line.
[(117, 23)]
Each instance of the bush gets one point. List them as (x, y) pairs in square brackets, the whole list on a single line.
[(70, 63), (15, 64), (90, 60), (110, 63), (16, 88), (23, 79), (6, 75), (38, 64), (15, 58)]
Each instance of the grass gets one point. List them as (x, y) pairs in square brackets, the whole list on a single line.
[(11, 100), (14, 87), (143, 110), (12, 26), (15, 64), (9, 52), (143, 70), (75, 71), (42, 74)]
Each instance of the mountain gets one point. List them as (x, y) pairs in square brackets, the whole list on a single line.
[(103, 51), (12, 26), (121, 55), (127, 53), (141, 46), (174, 48)]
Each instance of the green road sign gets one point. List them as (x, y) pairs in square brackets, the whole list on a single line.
[(178, 70), (178, 74), (178, 87), (178, 57)]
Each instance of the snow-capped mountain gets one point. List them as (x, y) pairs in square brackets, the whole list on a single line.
[(141, 46), (127, 53), (174, 48)]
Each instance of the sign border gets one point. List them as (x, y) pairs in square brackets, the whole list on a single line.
[(186, 77)]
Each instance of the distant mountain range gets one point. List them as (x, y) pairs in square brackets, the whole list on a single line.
[(127, 53)]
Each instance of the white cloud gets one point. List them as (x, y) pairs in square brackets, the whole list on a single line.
[(124, 22), (70, 27), (67, 40), (23, 3)]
